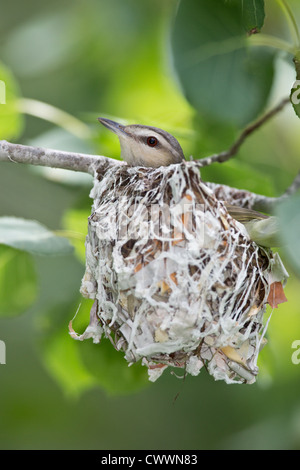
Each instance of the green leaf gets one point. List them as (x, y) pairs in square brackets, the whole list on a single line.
[(31, 236), (108, 366), (34, 34), (222, 77), (62, 357), (276, 357), (253, 14), (111, 370), (289, 214), (241, 175), (78, 366), (18, 285), (75, 221), (11, 120)]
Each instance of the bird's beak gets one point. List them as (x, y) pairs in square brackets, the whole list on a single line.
[(112, 126)]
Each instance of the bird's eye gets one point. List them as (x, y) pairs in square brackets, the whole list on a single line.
[(152, 141)]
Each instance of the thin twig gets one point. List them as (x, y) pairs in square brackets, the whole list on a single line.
[(228, 154)]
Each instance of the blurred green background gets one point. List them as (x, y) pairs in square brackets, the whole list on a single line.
[(122, 59)]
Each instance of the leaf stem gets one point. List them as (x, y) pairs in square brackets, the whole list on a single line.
[(291, 21), (267, 40), (70, 235), (55, 115)]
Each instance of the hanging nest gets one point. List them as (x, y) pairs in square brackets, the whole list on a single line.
[(176, 280)]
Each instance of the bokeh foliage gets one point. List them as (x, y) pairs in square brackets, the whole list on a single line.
[(186, 67)]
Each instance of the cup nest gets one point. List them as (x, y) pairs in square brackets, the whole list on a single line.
[(176, 280)]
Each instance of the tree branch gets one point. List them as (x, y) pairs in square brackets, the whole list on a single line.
[(54, 158), (90, 163)]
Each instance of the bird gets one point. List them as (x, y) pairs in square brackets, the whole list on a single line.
[(145, 145), (149, 146)]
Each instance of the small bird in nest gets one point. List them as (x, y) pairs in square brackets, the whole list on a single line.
[(150, 146)]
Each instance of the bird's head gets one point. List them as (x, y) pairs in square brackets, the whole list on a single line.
[(145, 145)]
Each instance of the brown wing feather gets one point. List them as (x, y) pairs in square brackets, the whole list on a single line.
[(243, 215)]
